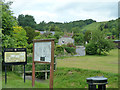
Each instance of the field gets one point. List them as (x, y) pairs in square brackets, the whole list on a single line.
[(72, 72), (107, 63)]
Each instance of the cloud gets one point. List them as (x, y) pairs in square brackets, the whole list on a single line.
[(66, 10)]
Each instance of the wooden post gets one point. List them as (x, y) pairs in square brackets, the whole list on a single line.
[(33, 69), (52, 65)]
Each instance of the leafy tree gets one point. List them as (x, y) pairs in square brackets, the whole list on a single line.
[(30, 33), (8, 21), (41, 26), (75, 30), (98, 44), (20, 36), (79, 38), (26, 20), (88, 35)]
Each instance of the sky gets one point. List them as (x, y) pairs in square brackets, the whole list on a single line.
[(66, 10)]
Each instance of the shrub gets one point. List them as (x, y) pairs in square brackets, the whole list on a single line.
[(91, 48), (70, 50), (59, 50)]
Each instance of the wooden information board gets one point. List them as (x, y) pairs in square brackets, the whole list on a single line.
[(43, 52)]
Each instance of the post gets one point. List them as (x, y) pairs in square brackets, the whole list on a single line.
[(33, 74), (33, 69), (45, 75), (52, 65), (24, 73), (5, 75)]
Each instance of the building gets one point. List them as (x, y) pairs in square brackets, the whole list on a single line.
[(80, 50), (65, 40), (42, 32)]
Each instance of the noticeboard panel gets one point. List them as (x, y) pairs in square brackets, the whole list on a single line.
[(42, 51), (15, 56)]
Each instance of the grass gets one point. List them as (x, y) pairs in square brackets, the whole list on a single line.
[(93, 26), (15, 81), (107, 63), (63, 78), (72, 72), (76, 78)]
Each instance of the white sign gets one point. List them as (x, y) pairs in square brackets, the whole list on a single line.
[(42, 51)]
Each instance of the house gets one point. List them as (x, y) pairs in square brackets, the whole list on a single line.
[(65, 40), (42, 32)]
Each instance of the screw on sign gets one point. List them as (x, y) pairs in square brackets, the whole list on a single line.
[(43, 52)]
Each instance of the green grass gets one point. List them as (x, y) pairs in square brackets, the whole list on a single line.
[(72, 72), (93, 26), (63, 78), (76, 78), (16, 81), (107, 63)]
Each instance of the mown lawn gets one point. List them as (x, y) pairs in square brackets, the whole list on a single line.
[(107, 63)]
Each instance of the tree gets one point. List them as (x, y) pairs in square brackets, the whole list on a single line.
[(30, 33), (8, 20), (87, 36), (26, 20), (75, 30), (99, 44), (79, 38), (20, 36), (41, 26)]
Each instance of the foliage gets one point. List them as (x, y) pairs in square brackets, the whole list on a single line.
[(87, 36), (26, 20), (70, 48), (8, 20), (30, 48), (31, 34), (20, 36), (59, 50), (99, 44), (8, 41), (79, 38), (91, 48), (57, 36)]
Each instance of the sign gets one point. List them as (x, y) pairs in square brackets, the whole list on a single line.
[(15, 56), (42, 51)]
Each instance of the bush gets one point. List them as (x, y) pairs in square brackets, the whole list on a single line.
[(59, 50), (70, 50), (91, 48)]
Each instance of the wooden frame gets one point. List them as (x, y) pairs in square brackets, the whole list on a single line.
[(51, 63)]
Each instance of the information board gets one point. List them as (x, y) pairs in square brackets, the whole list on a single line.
[(42, 51), (15, 56)]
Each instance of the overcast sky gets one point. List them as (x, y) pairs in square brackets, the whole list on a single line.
[(66, 10)]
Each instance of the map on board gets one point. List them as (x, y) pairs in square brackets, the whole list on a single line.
[(42, 51), (15, 57)]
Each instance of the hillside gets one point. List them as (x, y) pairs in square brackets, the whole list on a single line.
[(93, 26)]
